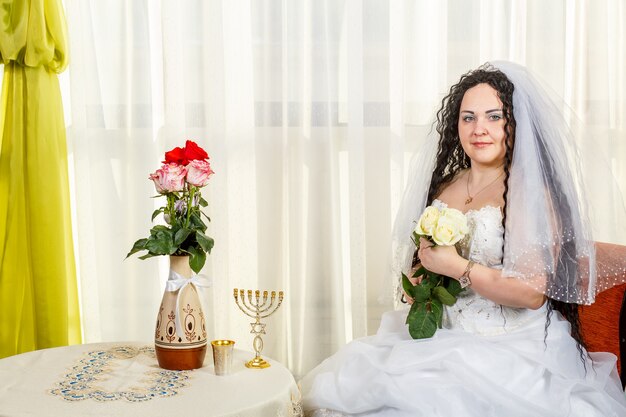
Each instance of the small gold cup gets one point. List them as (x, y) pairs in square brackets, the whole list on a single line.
[(222, 356)]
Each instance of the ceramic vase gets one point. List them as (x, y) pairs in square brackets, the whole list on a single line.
[(180, 337)]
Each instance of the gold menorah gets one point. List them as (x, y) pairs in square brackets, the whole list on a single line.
[(258, 309)]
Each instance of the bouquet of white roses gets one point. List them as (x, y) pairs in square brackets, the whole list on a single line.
[(442, 227)]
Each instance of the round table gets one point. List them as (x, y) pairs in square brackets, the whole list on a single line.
[(123, 379)]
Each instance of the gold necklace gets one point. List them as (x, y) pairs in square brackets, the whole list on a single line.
[(469, 197)]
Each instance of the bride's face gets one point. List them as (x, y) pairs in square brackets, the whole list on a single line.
[(481, 126)]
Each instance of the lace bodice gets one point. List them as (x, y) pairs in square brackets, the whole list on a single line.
[(483, 245)]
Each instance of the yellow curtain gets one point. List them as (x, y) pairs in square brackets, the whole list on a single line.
[(38, 290)]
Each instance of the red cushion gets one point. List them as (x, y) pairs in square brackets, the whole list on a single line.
[(600, 322)]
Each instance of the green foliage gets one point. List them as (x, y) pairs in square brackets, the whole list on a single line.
[(422, 321), (419, 272), (407, 285), (423, 292), (453, 287), (184, 232), (205, 242), (441, 294), (196, 258), (429, 296)]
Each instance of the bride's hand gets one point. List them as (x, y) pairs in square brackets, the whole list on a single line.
[(437, 259), (414, 281)]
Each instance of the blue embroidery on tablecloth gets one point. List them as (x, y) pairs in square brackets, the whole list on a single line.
[(82, 382)]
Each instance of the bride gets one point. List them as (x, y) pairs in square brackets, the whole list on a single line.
[(511, 345)]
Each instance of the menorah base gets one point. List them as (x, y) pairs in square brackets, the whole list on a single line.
[(257, 363)]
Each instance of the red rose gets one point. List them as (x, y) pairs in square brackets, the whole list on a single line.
[(193, 152), (182, 156), (176, 156)]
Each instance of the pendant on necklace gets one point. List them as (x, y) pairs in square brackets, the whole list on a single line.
[(469, 200)]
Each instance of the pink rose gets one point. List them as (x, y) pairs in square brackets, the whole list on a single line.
[(169, 178), (198, 173)]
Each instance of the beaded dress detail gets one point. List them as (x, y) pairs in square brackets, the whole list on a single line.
[(483, 245)]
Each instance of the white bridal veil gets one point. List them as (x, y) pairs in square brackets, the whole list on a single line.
[(552, 227)]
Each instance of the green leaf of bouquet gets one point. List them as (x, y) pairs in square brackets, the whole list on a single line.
[(203, 202), (159, 228), (431, 279), (419, 272), (139, 245), (148, 255), (426, 283), (197, 258), (422, 322), (156, 213), (454, 288), (181, 235), (207, 217), (408, 286), (172, 249), (444, 296), (436, 309), (421, 292), (433, 275), (205, 242), (162, 242), (196, 222), (158, 246)]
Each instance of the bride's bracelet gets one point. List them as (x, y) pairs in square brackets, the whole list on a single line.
[(465, 280)]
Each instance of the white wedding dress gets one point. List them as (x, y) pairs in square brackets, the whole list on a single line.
[(488, 360)]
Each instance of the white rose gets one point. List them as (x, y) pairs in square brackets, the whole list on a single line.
[(427, 222), (457, 218), (451, 227)]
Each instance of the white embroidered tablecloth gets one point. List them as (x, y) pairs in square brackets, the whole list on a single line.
[(123, 379)]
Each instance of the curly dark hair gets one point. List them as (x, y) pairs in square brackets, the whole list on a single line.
[(451, 160)]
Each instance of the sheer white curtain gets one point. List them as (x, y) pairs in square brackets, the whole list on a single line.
[(309, 111)]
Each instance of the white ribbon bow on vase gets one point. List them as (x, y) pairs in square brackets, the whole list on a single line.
[(176, 282)]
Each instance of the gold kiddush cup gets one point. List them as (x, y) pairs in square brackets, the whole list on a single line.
[(223, 356)]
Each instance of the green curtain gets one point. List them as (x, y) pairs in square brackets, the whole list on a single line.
[(38, 290)]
